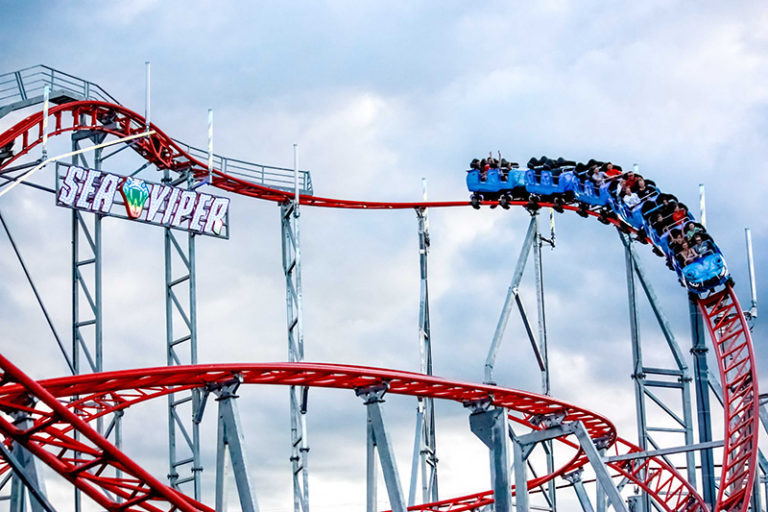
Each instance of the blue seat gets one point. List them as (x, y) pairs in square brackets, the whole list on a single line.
[(539, 181), (492, 182), (567, 182), (631, 216), (515, 179), (587, 193)]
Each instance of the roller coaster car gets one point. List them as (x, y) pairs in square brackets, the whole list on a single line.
[(502, 186), (631, 215), (545, 182), (586, 192), (552, 185), (706, 272)]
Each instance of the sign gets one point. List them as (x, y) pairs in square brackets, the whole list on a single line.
[(136, 199)]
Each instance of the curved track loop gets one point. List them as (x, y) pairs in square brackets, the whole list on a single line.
[(83, 461), (730, 335), (726, 322), (94, 395)]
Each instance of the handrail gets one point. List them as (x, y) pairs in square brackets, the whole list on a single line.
[(24, 88)]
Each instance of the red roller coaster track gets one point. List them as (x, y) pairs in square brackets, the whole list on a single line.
[(83, 398), (83, 463)]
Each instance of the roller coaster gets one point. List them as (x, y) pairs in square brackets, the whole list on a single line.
[(59, 422)]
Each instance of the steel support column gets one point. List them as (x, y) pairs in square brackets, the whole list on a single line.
[(291, 248), (27, 476), (424, 460), (578, 486), (637, 503), (370, 469), (87, 328), (543, 350), (181, 348), (521, 478), (87, 325), (600, 496), (601, 472), (533, 240), (231, 439), (638, 375), (490, 426), (699, 351), (379, 438)]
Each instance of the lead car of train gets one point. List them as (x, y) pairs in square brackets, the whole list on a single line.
[(656, 217)]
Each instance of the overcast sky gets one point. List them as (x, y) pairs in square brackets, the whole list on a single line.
[(377, 96)]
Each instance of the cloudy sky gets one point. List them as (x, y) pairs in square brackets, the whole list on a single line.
[(378, 96)]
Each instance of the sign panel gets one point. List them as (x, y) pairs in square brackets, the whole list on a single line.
[(132, 198)]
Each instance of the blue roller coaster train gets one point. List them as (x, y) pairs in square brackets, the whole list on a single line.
[(637, 203)]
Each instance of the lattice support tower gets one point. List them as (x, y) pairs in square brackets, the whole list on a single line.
[(87, 312), (424, 461), (291, 250), (181, 348)]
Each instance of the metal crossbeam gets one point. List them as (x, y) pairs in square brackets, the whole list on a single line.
[(665, 451)]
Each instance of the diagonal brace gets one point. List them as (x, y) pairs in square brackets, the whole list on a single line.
[(372, 398), (230, 434)]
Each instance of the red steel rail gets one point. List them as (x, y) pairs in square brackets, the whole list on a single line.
[(94, 395), (725, 320), (83, 461), (162, 151), (730, 335)]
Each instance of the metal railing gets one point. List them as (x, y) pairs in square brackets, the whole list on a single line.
[(23, 88), (28, 83), (280, 178)]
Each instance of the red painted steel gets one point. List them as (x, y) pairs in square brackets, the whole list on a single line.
[(85, 461), (95, 395), (163, 152), (732, 340), (726, 321)]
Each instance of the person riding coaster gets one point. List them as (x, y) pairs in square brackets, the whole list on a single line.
[(600, 187), (503, 184)]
